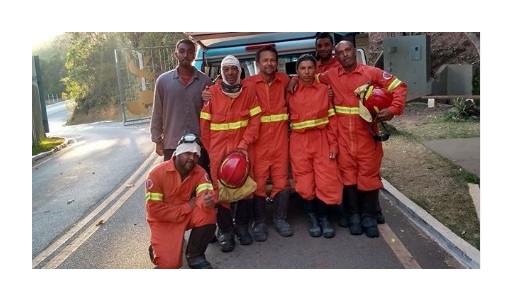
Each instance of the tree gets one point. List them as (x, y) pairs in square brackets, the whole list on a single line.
[(474, 37)]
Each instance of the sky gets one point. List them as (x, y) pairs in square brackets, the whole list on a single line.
[(39, 37)]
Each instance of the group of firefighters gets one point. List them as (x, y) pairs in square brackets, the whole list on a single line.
[(322, 125)]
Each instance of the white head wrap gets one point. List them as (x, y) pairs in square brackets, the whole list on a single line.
[(231, 60), (188, 147)]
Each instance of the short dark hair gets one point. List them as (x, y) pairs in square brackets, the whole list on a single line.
[(306, 57), (267, 48), (185, 41), (324, 35)]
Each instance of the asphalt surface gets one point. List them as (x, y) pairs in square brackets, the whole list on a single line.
[(463, 152)]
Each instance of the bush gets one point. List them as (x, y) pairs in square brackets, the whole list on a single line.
[(463, 109)]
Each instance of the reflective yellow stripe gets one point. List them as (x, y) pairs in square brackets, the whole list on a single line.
[(309, 123), (203, 186), (346, 110), (331, 112), (228, 126), (395, 83), (204, 115), (154, 196), (274, 118), (255, 111)]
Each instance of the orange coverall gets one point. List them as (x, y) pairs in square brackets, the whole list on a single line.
[(320, 68), (227, 124), (271, 150), (313, 136), (168, 212), (360, 156)]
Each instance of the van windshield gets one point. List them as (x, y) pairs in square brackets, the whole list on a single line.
[(290, 46), (287, 65)]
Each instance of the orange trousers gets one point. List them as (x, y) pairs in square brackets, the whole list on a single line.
[(314, 173), (167, 238)]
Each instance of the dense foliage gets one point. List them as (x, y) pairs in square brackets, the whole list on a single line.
[(81, 65)]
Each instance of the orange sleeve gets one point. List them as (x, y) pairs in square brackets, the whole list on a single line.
[(332, 129), (204, 186), (251, 133), (204, 123), (157, 207)]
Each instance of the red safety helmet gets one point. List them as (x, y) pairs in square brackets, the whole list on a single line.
[(376, 99), (234, 170)]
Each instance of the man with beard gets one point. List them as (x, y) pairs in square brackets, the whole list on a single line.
[(324, 53), (271, 162), (179, 197)]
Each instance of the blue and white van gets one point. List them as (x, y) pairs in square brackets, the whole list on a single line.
[(213, 47)]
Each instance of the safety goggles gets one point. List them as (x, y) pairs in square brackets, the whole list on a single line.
[(189, 138), (383, 136)]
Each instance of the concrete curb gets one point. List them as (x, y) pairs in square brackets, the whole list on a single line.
[(45, 154), (456, 246)]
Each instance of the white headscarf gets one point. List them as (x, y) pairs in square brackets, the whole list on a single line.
[(231, 60), (188, 147)]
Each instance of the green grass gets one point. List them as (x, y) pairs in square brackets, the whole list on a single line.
[(434, 183), (46, 145)]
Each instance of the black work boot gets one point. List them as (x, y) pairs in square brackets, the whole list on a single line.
[(281, 201), (352, 202), (226, 240), (355, 224), (379, 214), (225, 235), (369, 225), (241, 222), (369, 221), (196, 247), (324, 220), (259, 228), (312, 219), (343, 216)]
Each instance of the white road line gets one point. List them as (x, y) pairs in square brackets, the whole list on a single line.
[(398, 248), (62, 240)]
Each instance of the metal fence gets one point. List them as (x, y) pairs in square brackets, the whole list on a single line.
[(137, 69)]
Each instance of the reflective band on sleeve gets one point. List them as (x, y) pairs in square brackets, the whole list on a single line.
[(154, 196), (346, 110), (395, 83), (228, 126), (309, 123), (274, 118), (255, 111), (203, 186), (204, 115)]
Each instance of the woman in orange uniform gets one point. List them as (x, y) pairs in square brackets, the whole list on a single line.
[(313, 148)]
